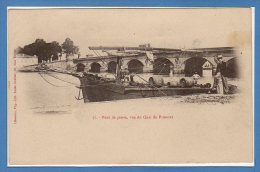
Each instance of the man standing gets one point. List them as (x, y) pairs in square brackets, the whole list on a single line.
[(220, 79)]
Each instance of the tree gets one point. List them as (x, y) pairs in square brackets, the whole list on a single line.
[(69, 48), (44, 51), (53, 50), (19, 50), (37, 48)]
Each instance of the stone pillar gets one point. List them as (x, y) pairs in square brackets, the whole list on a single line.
[(124, 64), (103, 67), (213, 62), (179, 65), (87, 66), (171, 70), (148, 67)]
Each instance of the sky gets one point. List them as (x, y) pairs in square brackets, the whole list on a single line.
[(164, 28)]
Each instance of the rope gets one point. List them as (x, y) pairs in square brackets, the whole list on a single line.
[(98, 55), (50, 82), (161, 70), (61, 79), (158, 66), (64, 81)]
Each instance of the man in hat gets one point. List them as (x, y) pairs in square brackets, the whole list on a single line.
[(220, 79)]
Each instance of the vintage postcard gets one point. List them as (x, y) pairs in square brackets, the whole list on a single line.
[(130, 87)]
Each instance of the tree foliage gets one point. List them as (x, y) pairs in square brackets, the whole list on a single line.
[(53, 50), (19, 50), (44, 51), (69, 48), (49, 51)]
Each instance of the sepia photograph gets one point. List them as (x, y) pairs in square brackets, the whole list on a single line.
[(130, 86)]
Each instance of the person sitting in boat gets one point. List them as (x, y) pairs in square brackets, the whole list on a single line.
[(124, 75), (132, 82), (196, 77)]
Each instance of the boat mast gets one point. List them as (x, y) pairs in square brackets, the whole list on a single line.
[(118, 67)]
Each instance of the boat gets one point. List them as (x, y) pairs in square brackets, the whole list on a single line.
[(96, 88)]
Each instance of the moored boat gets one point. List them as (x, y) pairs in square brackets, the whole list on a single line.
[(95, 88)]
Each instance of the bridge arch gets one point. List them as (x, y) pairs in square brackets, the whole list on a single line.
[(111, 67), (135, 66), (95, 67), (80, 67), (232, 68), (198, 65), (162, 66)]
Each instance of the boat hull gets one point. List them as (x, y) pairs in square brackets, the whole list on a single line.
[(96, 91)]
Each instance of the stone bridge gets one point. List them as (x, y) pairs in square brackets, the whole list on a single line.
[(201, 61)]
